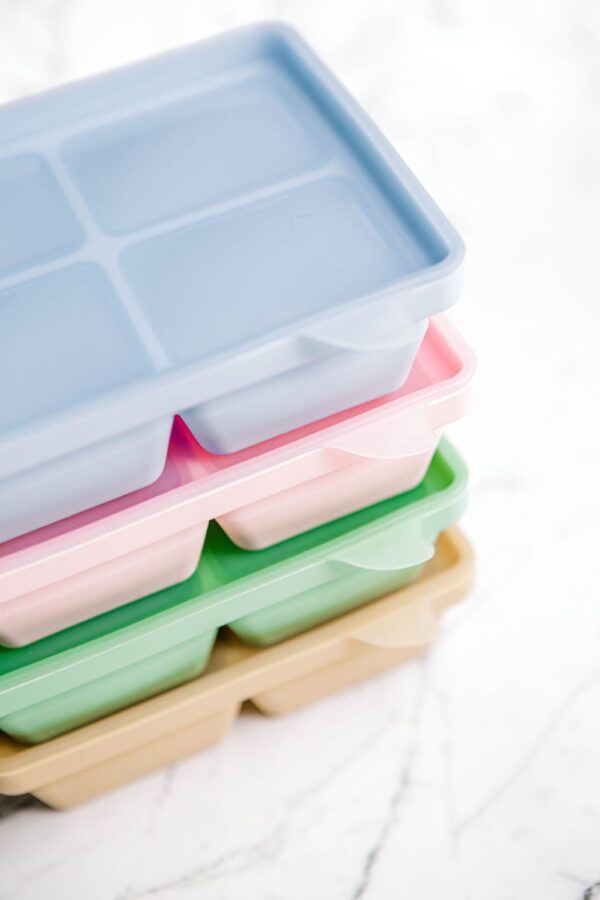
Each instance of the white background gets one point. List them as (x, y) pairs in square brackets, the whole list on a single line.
[(474, 774)]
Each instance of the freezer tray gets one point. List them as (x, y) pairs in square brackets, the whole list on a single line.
[(219, 232)]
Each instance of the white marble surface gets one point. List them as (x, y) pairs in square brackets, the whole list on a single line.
[(474, 774)]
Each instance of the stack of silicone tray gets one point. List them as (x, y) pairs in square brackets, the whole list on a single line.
[(224, 377)]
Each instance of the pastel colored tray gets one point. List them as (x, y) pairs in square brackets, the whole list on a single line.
[(219, 232), (83, 566), (101, 756), (132, 652)]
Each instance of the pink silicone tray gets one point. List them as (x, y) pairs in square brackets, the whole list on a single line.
[(102, 558)]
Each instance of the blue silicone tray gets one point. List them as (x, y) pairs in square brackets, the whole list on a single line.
[(219, 232)]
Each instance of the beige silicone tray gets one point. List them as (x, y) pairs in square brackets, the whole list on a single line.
[(77, 766)]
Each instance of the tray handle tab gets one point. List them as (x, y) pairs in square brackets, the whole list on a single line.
[(410, 435), (403, 548), (412, 625), (364, 328)]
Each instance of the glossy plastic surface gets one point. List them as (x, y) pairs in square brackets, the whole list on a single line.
[(83, 566), (219, 232), (65, 679), (98, 757)]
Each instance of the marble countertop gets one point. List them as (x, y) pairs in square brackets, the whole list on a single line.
[(474, 773)]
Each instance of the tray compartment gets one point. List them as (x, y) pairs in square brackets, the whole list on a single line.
[(78, 344), (296, 254), (226, 280), (356, 665), (226, 423), (341, 589), (359, 483), (122, 687), (65, 340), (84, 479), (36, 223), (200, 735), (96, 590), (226, 140)]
